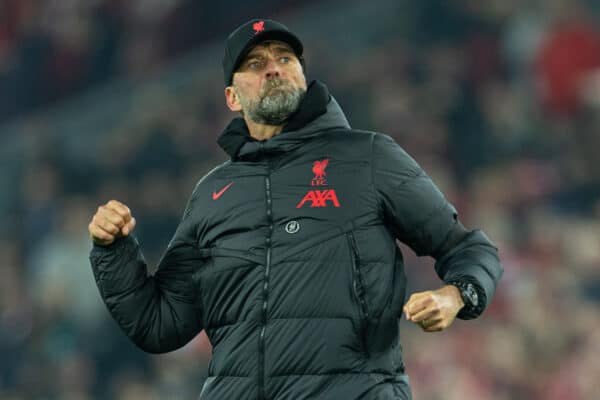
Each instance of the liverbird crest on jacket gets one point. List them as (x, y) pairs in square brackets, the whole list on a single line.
[(319, 170)]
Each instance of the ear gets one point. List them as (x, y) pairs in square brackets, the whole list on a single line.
[(233, 102)]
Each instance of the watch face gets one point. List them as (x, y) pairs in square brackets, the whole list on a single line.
[(471, 294)]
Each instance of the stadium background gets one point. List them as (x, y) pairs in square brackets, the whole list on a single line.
[(499, 101)]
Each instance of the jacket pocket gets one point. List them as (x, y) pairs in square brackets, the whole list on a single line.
[(378, 269), (358, 283), (222, 285), (396, 269)]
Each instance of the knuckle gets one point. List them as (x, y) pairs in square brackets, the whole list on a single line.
[(112, 216)]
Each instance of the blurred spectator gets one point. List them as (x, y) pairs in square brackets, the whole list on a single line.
[(55, 274), (568, 54)]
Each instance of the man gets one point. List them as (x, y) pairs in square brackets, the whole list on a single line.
[(286, 254)]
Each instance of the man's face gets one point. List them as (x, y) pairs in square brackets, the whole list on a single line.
[(269, 84)]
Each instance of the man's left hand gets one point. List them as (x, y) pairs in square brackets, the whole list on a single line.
[(434, 310)]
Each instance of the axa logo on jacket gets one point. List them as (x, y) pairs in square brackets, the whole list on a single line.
[(319, 198)]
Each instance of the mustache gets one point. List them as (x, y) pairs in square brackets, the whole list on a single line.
[(275, 83)]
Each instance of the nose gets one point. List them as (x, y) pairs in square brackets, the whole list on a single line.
[(273, 69)]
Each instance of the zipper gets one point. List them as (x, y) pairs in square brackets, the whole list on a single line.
[(261, 339), (358, 287)]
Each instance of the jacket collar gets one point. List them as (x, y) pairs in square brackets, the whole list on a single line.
[(318, 111)]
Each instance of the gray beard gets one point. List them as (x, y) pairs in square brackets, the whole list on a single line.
[(277, 101)]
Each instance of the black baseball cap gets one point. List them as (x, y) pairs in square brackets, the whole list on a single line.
[(240, 42)]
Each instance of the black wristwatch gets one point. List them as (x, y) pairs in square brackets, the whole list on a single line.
[(470, 297)]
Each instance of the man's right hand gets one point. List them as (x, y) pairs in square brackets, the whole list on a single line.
[(112, 220)]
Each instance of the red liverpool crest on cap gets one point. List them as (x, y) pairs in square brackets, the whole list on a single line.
[(258, 27)]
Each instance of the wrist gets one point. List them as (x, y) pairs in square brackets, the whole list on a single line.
[(454, 292)]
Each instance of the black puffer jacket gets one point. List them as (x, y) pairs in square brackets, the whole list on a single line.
[(286, 256)]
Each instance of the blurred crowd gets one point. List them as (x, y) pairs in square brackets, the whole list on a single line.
[(51, 50), (499, 101)]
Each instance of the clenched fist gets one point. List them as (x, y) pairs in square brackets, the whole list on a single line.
[(112, 220), (434, 310)]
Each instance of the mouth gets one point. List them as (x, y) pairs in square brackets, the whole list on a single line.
[(275, 89), (276, 85), (276, 92)]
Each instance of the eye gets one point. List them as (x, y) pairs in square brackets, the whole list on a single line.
[(285, 59), (255, 63)]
